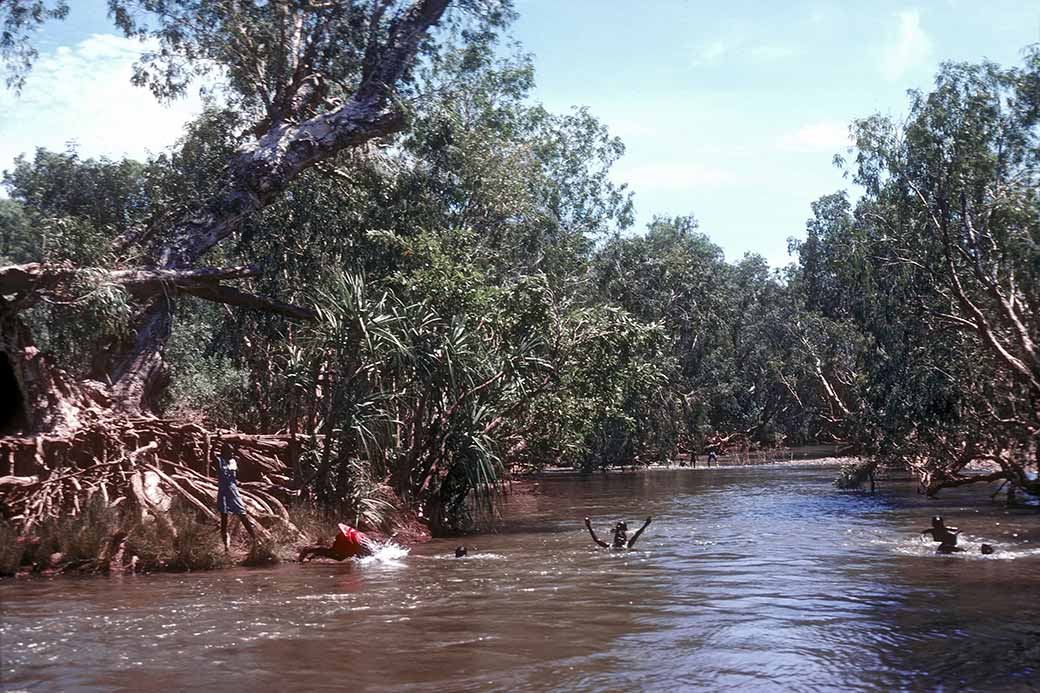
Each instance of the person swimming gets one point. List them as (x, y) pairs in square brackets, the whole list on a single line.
[(946, 536), (348, 543), (460, 552), (620, 535)]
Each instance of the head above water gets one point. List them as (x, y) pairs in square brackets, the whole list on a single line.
[(937, 522), (460, 551)]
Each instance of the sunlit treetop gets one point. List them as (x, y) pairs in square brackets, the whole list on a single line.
[(280, 59), (18, 20)]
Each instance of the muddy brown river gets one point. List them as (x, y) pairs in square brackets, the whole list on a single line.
[(748, 579)]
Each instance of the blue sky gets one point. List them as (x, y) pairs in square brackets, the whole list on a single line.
[(730, 111)]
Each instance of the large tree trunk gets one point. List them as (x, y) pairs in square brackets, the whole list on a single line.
[(50, 400), (257, 175)]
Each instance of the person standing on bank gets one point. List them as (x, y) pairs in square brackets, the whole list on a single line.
[(228, 500)]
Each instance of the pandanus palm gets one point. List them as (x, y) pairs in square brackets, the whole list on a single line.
[(406, 398)]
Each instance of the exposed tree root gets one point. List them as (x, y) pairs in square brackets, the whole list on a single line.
[(140, 464)]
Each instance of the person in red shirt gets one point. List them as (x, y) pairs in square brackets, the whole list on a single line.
[(349, 543)]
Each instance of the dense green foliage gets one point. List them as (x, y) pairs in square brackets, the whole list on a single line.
[(933, 274), (482, 303)]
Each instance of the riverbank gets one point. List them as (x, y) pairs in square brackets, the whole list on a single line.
[(102, 541)]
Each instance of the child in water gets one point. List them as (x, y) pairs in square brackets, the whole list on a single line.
[(946, 536), (620, 532)]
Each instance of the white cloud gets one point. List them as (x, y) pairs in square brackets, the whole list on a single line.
[(910, 47), (774, 52), (673, 176), (744, 47), (824, 136), (82, 93), (709, 53)]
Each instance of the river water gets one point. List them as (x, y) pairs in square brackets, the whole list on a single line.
[(759, 578)]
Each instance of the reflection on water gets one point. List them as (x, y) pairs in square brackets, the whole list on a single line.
[(759, 578)]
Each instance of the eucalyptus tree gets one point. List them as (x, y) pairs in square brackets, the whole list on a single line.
[(532, 186), (673, 274), (759, 381), (69, 209), (312, 80), (937, 268), (446, 329)]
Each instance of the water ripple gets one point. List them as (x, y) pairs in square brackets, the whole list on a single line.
[(747, 579)]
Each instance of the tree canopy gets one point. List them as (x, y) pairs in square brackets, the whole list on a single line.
[(375, 241)]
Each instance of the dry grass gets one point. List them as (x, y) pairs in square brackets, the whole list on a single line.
[(180, 543), (11, 550), (184, 543)]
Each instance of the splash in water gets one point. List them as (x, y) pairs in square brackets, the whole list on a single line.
[(972, 548), (383, 552)]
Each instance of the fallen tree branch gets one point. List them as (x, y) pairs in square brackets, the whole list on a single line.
[(232, 296), (52, 282), (953, 482), (54, 279)]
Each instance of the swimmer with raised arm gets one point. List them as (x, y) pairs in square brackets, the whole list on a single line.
[(946, 536), (620, 532)]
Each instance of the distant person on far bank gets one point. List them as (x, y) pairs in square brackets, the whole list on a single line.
[(228, 500)]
